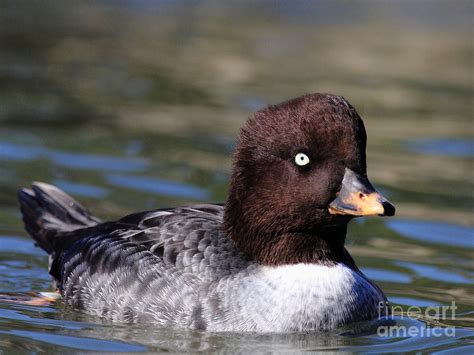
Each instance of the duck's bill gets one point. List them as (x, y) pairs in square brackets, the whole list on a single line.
[(358, 197)]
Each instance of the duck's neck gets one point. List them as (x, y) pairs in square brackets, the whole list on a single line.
[(315, 247), (323, 245)]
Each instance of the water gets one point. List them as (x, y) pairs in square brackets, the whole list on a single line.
[(134, 107)]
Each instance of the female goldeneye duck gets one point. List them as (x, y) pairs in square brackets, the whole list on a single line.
[(271, 259)]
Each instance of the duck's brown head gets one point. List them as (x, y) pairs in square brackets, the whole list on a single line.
[(299, 176)]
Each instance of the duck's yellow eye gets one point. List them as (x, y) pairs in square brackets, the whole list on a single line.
[(301, 159)]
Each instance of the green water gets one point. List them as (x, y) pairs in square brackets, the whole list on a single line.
[(134, 106)]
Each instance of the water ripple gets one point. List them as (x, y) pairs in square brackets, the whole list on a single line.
[(435, 273), (456, 147), (79, 343), (386, 275), (158, 186), (85, 190), (434, 232), (75, 160), (12, 244)]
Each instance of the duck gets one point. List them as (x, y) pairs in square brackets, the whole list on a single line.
[(272, 258)]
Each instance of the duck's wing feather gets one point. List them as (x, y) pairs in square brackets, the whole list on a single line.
[(150, 266), (184, 240), (188, 239)]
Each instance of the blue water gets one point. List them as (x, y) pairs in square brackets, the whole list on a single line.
[(16, 152), (455, 147), (434, 232), (158, 186)]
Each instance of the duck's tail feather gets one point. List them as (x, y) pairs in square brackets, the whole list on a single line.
[(48, 212)]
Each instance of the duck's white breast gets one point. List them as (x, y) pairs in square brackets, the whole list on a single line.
[(301, 297)]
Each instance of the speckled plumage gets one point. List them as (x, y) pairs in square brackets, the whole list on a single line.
[(272, 259), (176, 267)]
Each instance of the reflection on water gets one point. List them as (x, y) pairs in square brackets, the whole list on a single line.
[(96, 162), (64, 341), (86, 190), (107, 337), (410, 301), (10, 151), (386, 275), (133, 106), (436, 273), (455, 147), (157, 186), (434, 232), (12, 244)]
